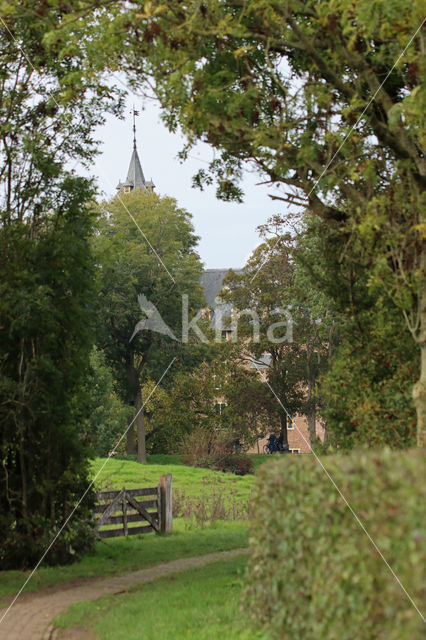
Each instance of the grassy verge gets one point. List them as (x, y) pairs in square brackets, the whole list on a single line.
[(198, 604), (121, 555)]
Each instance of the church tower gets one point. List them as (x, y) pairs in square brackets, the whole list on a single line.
[(135, 177)]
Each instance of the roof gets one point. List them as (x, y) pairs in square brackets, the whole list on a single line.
[(212, 281), (135, 177)]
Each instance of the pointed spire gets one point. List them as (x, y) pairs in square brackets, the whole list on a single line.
[(135, 113), (135, 177)]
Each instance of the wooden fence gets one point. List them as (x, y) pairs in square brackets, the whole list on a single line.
[(124, 509)]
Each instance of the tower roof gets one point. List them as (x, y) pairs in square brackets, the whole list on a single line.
[(135, 177)]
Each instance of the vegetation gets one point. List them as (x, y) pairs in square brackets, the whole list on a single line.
[(49, 106), (323, 98), (122, 473), (313, 572), (326, 101), (194, 533), (203, 603), (45, 308), (291, 327), (123, 555), (216, 449), (135, 281)]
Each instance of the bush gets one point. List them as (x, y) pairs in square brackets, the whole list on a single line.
[(214, 449), (313, 573)]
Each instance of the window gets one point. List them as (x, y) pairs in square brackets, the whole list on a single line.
[(294, 450), (290, 425)]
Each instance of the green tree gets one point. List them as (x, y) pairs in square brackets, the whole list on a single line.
[(267, 326), (252, 410), (188, 406), (365, 396), (106, 413), (47, 316), (145, 247), (325, 98), (50, 103)]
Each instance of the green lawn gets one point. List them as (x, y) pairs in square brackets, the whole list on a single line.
[(198, 604), (118, 473)]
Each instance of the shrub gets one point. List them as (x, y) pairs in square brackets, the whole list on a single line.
[(313, 573), (214, 449)]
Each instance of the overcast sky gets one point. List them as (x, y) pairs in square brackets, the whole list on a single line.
[(227, 230)]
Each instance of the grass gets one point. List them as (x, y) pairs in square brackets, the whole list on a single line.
[(118, 473), (198, 604), (121, 555)]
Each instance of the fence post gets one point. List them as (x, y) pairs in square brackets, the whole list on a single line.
[(124, 509), (165, 503)]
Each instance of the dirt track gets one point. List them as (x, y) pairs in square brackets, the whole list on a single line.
[(30, 618)]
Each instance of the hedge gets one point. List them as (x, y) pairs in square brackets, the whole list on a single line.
[(313, 573)]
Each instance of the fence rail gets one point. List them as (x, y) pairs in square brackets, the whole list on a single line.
[(122, 508)]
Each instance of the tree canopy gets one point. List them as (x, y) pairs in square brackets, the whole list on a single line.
[(159, 266)]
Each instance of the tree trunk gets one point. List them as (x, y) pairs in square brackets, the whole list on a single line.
[(130, 438), (140, 425), (284, 433), (419, 390), (132, 383), (312, 424)]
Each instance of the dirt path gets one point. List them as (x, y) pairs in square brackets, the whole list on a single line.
[(30, 619)]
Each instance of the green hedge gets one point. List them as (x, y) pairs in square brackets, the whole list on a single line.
[(313, 573)]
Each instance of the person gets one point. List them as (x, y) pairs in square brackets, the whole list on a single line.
[(281, 447), (271, 442)]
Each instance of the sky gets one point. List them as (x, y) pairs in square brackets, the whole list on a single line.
[(227, 230)]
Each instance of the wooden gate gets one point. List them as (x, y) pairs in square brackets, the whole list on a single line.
[(126, 509)]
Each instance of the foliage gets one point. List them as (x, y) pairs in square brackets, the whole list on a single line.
[(325, 99), (313, 572), (289, 335), (252, 410), (367, 392), (187, 406), (215, 449), (51, 101), (46, 308), (373, 363), (107, 415), (130, 268)]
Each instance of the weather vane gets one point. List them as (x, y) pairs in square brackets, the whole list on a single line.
[(135, 113)]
